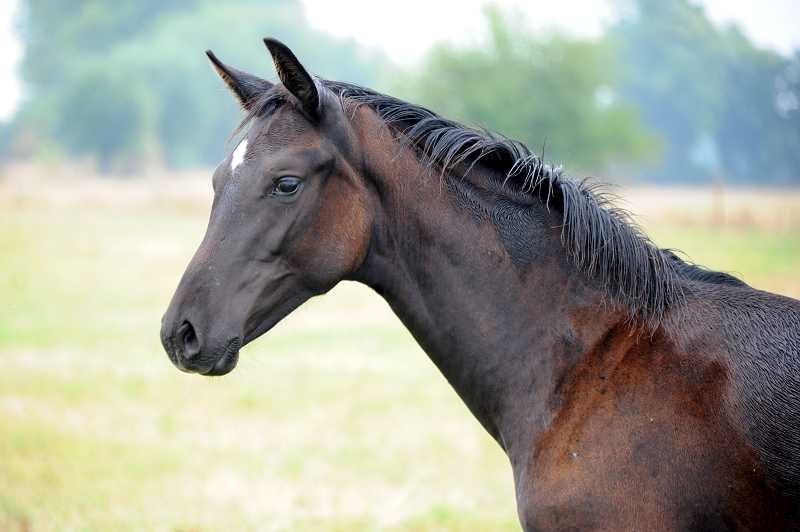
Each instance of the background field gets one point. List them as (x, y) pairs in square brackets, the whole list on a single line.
[(335, 421)]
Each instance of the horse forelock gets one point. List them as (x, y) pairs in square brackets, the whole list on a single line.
[(266, 104), (272, 100)]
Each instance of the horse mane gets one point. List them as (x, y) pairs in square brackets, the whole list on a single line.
[(602, 240)]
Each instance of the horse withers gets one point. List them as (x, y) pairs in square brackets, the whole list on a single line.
[(629, 389)]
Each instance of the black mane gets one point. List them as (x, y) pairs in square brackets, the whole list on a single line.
[(602, 240)]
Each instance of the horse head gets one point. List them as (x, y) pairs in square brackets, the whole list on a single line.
[(290, 218)]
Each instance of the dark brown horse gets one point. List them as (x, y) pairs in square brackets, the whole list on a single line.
[(630, 390)]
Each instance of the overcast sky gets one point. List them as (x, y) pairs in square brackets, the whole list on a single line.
[(407, 28), (406, 32)]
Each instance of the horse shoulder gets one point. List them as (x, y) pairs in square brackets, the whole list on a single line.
[(649, 430)]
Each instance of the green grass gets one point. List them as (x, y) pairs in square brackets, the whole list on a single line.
[(767, 259), (335, 421), (330, 423)]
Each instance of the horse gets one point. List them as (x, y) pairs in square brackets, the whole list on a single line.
[(629, 388)]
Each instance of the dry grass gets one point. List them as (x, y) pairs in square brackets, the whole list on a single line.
[(334, 421), (751, 233)]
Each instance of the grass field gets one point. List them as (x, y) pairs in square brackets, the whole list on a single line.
[(335, 421)]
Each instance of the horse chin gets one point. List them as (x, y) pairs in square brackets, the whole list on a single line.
[(254, 331), (227, 361)]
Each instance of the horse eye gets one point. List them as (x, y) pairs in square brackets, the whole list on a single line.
[(286, 186)]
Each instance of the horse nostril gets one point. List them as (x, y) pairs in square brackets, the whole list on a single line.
[(188, 342)]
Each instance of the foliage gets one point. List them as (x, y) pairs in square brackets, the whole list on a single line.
[(725, 106), (557, 92), (721, 106), (128, 83), (664, 93)]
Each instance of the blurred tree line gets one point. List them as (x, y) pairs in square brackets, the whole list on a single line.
[(725, 107), (127, 84), (664, 94), (557, 95)]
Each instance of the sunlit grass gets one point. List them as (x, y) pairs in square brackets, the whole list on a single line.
[(767, 260), (328, 424), (335, 421)]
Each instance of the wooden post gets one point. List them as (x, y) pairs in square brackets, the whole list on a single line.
[(717, 201)]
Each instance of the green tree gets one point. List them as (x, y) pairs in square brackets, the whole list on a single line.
[(128, 83), (759, 129), (711, 93), (558, 92)]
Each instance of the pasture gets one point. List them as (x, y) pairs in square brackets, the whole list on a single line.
[(334, 421)]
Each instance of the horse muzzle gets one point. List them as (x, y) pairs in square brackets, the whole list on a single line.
[(192, 353)]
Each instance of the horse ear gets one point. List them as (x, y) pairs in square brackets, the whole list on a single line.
[(294, 77), (246, 87)]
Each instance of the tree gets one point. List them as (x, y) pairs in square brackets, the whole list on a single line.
[(558, 92), (759, 128), (127, 83), (716, 98)]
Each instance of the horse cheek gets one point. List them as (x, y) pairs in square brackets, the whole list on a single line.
[(335, 244)]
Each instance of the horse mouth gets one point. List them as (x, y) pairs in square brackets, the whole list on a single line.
[(227, 359)]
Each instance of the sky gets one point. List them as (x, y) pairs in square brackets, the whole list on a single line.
[(406, 29)]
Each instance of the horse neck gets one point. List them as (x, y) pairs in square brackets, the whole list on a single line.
[(501, 333)]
